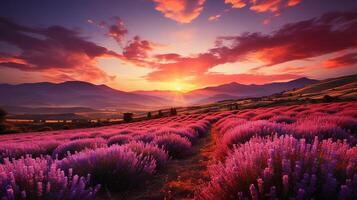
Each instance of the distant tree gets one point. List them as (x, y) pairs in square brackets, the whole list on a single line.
[(160, 114), (173, 111), (149, 115), (2, 115), (235, 106), (45, 128), (327, 98), (2, 120), (128, 117)]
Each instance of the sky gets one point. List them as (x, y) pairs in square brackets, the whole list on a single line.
[(177, 45)]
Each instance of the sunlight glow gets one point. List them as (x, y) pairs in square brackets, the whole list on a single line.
[(180, 86)]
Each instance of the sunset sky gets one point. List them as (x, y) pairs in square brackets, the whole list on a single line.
[(176, 44)]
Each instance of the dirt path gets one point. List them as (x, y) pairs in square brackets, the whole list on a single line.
[(180, 178)]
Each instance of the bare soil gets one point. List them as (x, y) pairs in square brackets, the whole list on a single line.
[(180, 179)]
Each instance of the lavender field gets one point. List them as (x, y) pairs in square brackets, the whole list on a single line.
[(285, 152)]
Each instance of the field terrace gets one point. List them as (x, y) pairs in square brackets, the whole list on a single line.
[(286, 152), (299, 151), (46, 165)]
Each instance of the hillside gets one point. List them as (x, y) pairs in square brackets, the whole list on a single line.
[(342, 87), (74, 94), (228, 91)]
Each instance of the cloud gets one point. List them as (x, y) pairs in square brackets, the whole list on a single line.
[(55, 51), (137, 49), (218, 78), (292, 3), (168, 57), (342, 61), (236, 3), (117, 31), (182, 11), (274, 6), (214, 17), (329, 33)]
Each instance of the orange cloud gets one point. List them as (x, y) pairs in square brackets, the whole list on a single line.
[(342, 61), (269, 5), (274, 6), (182, 11), (236, 3)]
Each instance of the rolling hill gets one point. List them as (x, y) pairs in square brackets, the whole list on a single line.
[(74, 94), (342, 87), (229, 91), (235, 90)]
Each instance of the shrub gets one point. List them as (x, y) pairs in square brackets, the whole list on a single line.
[(188, 133), (201, 127), (119, 139), (229, 123), (115, 167), (149, 150), (40, 178), (35, 149), (283, 119), (78, 145), (309, 128), (176, 146), (244, 132), (146, 138), (285, 168)]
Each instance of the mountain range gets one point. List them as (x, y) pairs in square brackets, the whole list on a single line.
[(80, 95), (229, 91)]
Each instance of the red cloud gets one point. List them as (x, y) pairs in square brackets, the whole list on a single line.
[(329, 33), (342, 61), (292, 3), (54, 51), (182, 11), (137, 49)]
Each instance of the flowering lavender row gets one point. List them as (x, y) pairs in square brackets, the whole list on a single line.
[(63, 143), (288, 120), (118, 157), (285, 168), (40, 178), (286, 152), (116, 166)]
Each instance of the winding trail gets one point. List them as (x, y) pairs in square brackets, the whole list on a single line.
[(181, 178)]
